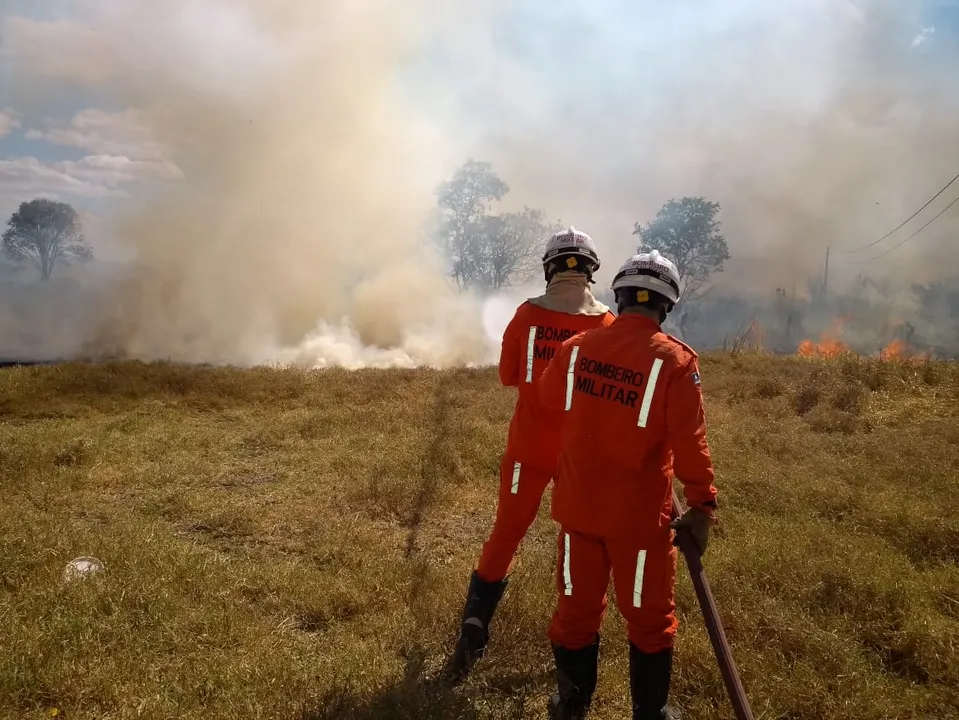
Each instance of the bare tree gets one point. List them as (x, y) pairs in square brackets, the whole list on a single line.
[(511, 247)]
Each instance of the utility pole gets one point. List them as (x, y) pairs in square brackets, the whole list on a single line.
[(791, 318), (825, 278)]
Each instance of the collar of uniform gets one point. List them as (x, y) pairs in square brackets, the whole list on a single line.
[(569, 292), (637, 318)]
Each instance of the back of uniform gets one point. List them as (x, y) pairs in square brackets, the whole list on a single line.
[(532, 448), (534, 335), (634, 418), (530, 341)]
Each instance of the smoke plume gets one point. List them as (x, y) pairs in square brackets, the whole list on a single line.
[(296, 233), (311, 135)]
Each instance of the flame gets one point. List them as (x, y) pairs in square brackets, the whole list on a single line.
[(829, 344), (900, 350), (895, 349)]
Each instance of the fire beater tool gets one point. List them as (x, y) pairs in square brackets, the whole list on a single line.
[(724, 655)]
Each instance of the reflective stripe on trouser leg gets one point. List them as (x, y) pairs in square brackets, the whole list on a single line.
[(638, 582), (515, 513), (514, 488), (648, 395), (530, 351), (571, 377), (644, 573), (578, 615)]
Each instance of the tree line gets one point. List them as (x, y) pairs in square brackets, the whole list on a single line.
[(483, 250), (487, 252)]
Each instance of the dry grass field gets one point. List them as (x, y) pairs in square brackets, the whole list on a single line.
[(286, 544)]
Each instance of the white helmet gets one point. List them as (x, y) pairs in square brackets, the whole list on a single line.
[(577, 247), (649, 271)]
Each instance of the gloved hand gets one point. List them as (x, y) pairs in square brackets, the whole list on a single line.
[(698, 523)]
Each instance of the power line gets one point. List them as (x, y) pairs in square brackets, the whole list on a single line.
[(876, 242), (903, 242)]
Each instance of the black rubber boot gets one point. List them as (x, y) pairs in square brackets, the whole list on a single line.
[(576, 672), (481, 601), (649, 677)]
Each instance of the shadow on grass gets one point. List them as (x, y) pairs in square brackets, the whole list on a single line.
[(421, 696), (433, 460)]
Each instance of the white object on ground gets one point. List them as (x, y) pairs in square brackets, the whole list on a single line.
[(82, 567)]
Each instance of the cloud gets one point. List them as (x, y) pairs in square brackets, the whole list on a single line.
[(112, 171), (102, 133), (8, 122), (91, 177), (924, 36), (122, 154), (23, 178)]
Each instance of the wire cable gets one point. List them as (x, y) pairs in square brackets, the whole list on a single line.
[(876, 242), (903, 242)]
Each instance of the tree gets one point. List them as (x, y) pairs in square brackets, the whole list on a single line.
[(465, 201), (484, 250), (687, 232), (44, 233), (511, 247)]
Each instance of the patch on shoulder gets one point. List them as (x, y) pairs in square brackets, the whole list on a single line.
[(696, 380)]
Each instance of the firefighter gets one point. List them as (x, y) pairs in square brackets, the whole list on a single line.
[(634, 413), (535, 332)]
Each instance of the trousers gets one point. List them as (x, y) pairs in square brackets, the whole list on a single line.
[(521, 490), (643, 568)]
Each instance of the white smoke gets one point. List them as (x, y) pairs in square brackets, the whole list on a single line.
[(298, 231), (310, 137)]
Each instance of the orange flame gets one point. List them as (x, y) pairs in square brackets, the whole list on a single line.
[(829, 344), (895, 349), (900, 350)]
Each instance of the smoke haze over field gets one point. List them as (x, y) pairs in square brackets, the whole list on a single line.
[(296, 146)]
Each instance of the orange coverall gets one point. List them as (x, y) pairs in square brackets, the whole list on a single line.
[(529, 342), (634, 418)]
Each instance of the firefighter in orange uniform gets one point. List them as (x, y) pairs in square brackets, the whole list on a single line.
[(534, 334), (634, 418)]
